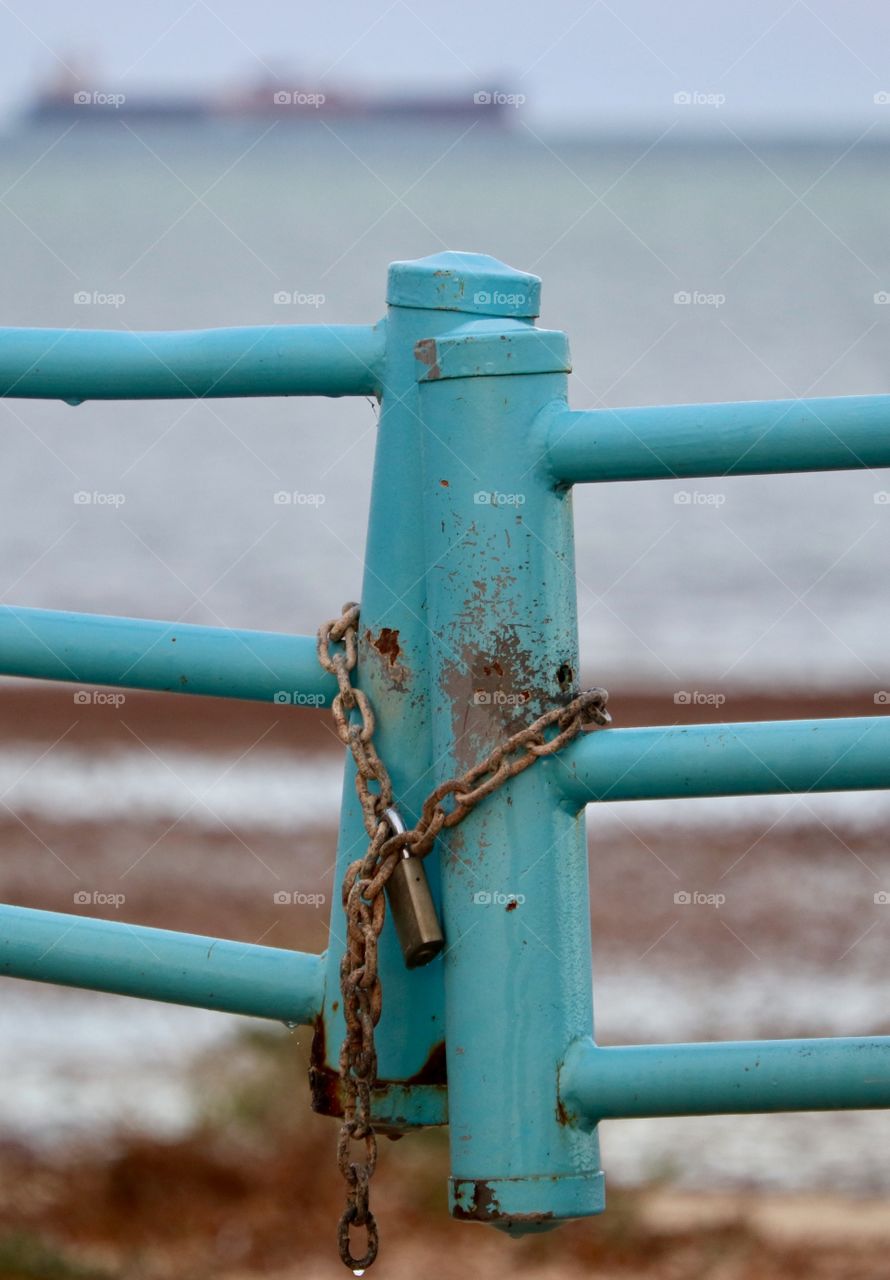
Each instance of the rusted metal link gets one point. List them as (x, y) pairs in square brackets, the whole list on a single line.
[(349, 1219)]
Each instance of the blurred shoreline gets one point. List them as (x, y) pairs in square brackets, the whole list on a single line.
[(36, 711)]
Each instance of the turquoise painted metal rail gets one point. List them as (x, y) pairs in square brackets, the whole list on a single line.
[(468, 631), (280, 360), (133, 653), (181, 968)]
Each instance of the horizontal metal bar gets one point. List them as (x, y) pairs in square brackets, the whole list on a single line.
[(750, 438), (156, 964), (135, 653), (729, 1078), (759, 758), (108, 364)]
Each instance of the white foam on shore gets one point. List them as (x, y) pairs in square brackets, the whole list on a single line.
[(274, 792), (260, 790)]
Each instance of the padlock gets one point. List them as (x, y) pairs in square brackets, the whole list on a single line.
[(412, 906)]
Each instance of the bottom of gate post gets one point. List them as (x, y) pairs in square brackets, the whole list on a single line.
[(510, 1203)]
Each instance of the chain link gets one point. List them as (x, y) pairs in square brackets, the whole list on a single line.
[(364, 903)]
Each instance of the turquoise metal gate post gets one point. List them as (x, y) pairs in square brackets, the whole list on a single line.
[(467, 632), (501, 606)]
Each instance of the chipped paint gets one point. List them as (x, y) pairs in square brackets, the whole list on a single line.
[(476, 1200), (494, 691), (387, 644), (425, 352), (383, 659)]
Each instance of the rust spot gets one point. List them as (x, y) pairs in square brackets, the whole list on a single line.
[(425, 352), (324, 1081), (565, 677), (562, 1116), (387, 644), (444, 484), (324, 1091), (511, 905), (433, 1070), (324, 1084), (482, 1207), (387, 658), (496, 688), (478, 1202)]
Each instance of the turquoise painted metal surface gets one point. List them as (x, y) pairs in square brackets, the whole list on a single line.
[(671, 442), (735, 1077), (468, 631), (275, 360), (761, 758), (158, 964), (174, 657), (501, 607)]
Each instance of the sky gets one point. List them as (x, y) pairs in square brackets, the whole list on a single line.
[(783, 65)]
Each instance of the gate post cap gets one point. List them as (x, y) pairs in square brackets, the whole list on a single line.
[(469, 282)]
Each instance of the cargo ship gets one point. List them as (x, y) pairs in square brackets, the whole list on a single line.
[(292, 100)]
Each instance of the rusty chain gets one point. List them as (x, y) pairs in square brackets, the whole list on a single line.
[(364, 903)]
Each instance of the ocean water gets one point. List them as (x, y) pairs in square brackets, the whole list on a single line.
[(755, 581)]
